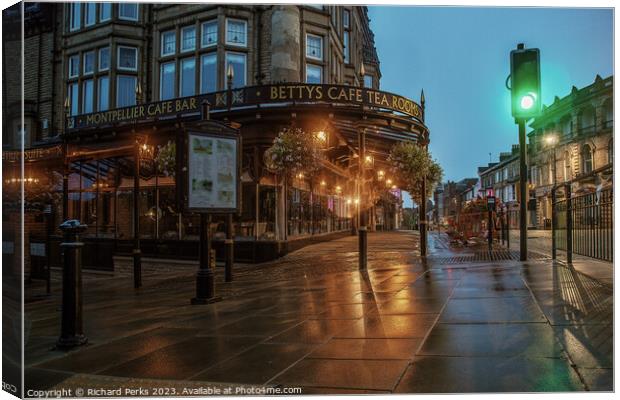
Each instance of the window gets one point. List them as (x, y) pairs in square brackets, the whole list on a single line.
[(238, 61), (188, 38), (168, 43), (128, 11), (610, 151), (105, 11), (127, 58), (208, 73), (166, 81), (75, 16), (236, 32), (74, 98), (346, 18), (368, 81), (104, 59), (74, 66), (87, 96), (103, 91), (90, 17), (567, 167), (314, 47), (347, 50), (586, 159), (89, 62), (209, 33), (187, 79), (567, 126), (314, 74), (126, 90)]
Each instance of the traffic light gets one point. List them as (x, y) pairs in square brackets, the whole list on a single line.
[(525, 77)]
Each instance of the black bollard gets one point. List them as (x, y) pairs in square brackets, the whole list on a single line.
[(205, 278), (230, 249), (72, 333)]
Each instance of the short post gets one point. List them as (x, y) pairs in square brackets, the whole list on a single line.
[(205, 278), (71, 334), (569, 225), (553, 224), (230, 249), (490, 228), (137, 253)]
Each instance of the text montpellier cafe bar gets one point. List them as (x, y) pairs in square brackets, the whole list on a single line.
[(275, 218)]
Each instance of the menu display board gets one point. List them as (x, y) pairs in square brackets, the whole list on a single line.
[(212, 172)]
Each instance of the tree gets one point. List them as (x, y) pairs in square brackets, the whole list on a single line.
[(294, 151), (410, 163)]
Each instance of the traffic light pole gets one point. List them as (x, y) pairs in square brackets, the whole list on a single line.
[(523, 191)]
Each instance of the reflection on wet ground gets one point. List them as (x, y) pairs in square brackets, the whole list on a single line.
[(312, 320)]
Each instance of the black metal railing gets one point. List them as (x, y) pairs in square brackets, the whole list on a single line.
[(584, 224)]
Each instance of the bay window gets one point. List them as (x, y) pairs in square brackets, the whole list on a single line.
[(75, 16), (314, 47), (368, 81), (188, 38), (104, 59), (347, 50), (314, 73), (128, 11), (168, 43), (166, 80), (87, 96), (208, 73), (103, 92), (127, 58), (73, 93), (209, 33), (74, 66), (89, 62), (90, 17), (187, 80), (126, 90), (238, 62), (105, 11), (236, 32)]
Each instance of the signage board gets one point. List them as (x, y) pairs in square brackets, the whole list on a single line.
[(299, 93), (213, 172), (491, 203)]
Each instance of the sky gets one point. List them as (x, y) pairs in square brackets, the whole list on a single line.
[(460, 57)]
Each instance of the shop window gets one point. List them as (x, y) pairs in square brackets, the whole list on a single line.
[(104, 59), (105, 11), (90, 14), (87, 96), (314, 74), (74, 66), (208, 73), (238, 62), (188, 38), (127, 58), (166, 81), (128, 11), (103, 92), (236, 32), (126, 90), (586, 159), (168, 43), (75, 16), (187, 79), (209, 33), (314, 47), (368, 81), (89, 62), (74, 98)]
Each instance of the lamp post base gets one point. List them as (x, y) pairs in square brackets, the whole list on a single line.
[(205, 288), (69, 342)]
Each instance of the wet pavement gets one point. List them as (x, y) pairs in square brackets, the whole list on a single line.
[(312, 320)]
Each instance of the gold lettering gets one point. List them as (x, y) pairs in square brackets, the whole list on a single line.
[(330, 93), (358, 95), (319, 92), (274, 93)]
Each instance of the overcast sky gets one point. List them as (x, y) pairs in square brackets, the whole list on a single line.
[(460, 56)]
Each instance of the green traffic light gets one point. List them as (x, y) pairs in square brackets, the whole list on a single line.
[(528, 101)]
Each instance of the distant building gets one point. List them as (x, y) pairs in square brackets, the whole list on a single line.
[(450, 197), (582, 122)]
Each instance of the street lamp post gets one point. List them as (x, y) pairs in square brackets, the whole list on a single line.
[(552, 141)]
